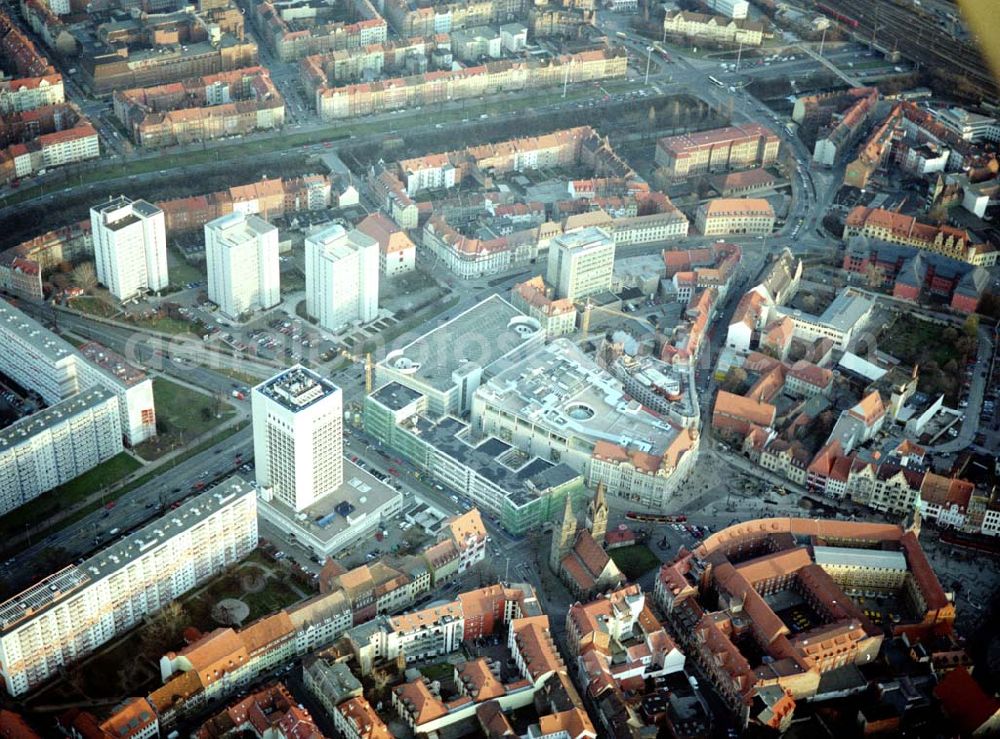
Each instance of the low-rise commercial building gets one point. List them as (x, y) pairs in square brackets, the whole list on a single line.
[(447, 364), (723, 216), (717, 150), (558, 405), (719, 28), (123, 69), (521, 492)]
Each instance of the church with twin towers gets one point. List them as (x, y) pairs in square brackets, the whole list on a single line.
[(577, 555)]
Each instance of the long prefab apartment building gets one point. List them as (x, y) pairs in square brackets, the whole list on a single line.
[(70, 613)]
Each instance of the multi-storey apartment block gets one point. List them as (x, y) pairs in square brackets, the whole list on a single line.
[(224, 104), (717, 28), (342, 277), (718, 150), (53, 446), (70, 613), (28, 93), (723, 216), (294, 33), (39, 360), (897, 228), (244, 274), (108, 369), (336, 102), (130, 247)]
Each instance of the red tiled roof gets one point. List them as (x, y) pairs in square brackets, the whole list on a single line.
[(965, 702)]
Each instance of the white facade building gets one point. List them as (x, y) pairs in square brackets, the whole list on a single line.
[(36, 358), (737, 9), (43, 362), (17, 96), (130, 247), (51, 447), (70, 613), (244, 273), (581, 263), (298, 441), (341, 277), (101, 367)]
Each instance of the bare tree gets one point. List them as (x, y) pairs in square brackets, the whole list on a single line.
[(874, 275), (84, 276)]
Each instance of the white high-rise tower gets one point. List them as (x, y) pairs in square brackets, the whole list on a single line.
[(130, 246), (341, 277), (244, 273), (298, 426)]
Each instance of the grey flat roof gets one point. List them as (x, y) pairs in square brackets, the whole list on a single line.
[(52, 416), (562, 389), (296, 388), (68, 581), (846, 310), (28, 330), (395, 396), (360, 490), (879, 559), (483, 334), (236, 228), (484, 458)]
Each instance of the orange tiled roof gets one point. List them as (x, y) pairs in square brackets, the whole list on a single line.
[(591, 553), (574, 722), (422, 705), (748, 409)]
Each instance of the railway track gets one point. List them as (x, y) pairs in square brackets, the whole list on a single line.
[(918, 36)]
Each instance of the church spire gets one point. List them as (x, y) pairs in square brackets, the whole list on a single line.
[(564, 537), (597, 515)]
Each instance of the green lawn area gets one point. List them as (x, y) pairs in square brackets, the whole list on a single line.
[(93, 172), (73, 340), (181, 272), (438, 671), (634, 561), (277, 594), (94, 306), (909, 338), (68, 495), (165, 325), (244, 377), (181, 415)]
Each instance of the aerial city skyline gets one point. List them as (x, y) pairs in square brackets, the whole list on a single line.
[(557, 370)]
